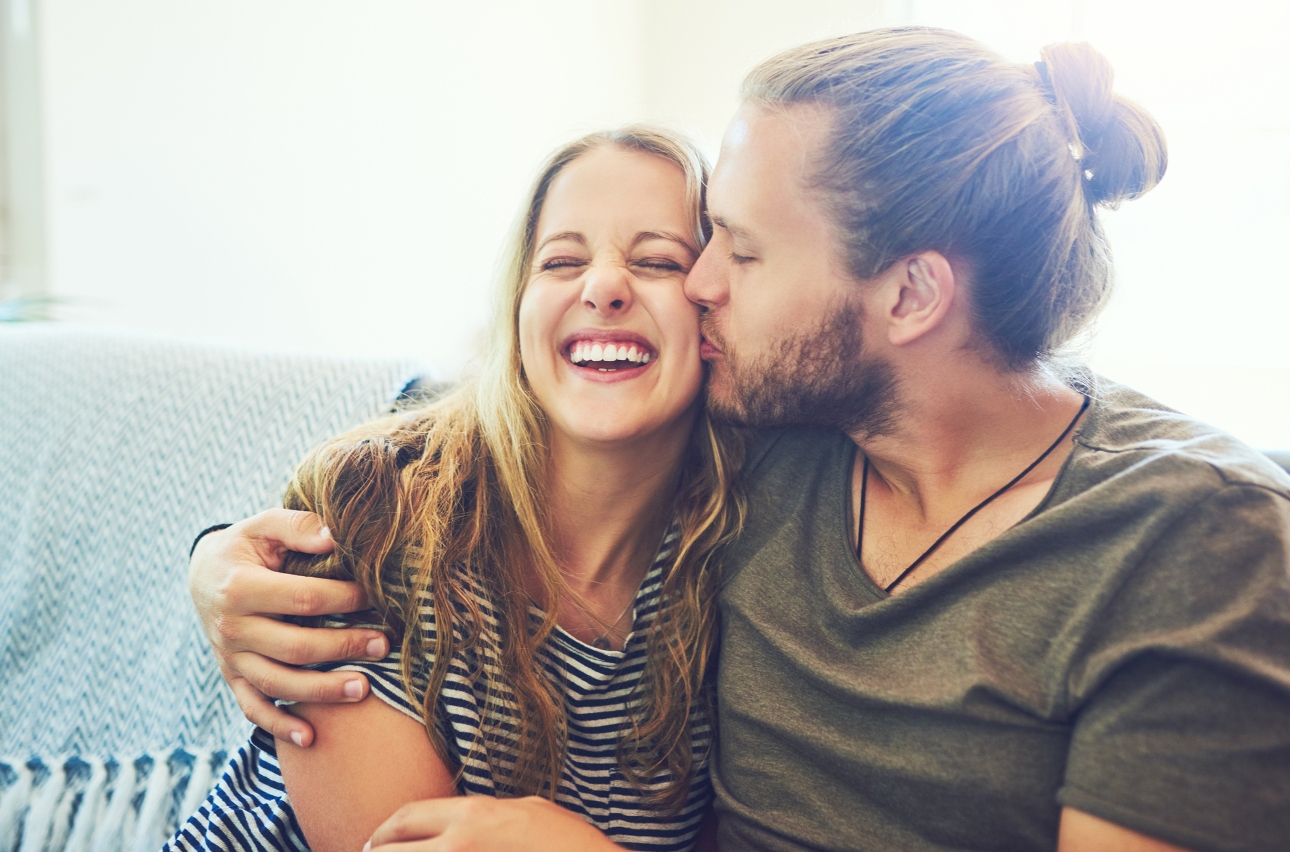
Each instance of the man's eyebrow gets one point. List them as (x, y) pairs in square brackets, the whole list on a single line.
[(563, 235), (663, 235), (734, 230)]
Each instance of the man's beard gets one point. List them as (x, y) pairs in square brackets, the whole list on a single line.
[(818, 377)]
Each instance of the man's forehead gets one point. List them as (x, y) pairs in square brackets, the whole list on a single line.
[(767, 152)]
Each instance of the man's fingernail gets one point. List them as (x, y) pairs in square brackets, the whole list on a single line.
[(325, 532), (376, 648), (298, 738), (367, 846), (353, 689)]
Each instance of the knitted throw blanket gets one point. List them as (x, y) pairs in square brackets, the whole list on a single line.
[(115, 451)]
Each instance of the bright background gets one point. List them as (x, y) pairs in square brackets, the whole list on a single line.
[(338, 175)]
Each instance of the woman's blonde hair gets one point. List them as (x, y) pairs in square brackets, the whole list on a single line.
[(446, 503)]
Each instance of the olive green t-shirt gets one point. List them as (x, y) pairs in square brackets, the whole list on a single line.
[(1124, 650)]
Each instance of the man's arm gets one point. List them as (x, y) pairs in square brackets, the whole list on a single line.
[(237, 590), (367, 761), (1081, 832), (1182, 697)]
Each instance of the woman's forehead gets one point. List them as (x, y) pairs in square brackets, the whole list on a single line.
[(626, 191)]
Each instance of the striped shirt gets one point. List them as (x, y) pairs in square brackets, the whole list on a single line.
[(249, 808)]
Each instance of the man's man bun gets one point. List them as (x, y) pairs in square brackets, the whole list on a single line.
[(939, 144), (1121, 147)]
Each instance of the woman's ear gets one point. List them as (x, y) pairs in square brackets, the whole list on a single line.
[(922, 288)]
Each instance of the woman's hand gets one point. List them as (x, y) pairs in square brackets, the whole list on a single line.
[(237, 591), (485, 824)]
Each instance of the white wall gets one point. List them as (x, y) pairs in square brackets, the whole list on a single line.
[(695, 54), (311, 173)]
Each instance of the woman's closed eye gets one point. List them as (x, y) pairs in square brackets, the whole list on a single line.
[(553, 264), (661, 265), (653, 265)]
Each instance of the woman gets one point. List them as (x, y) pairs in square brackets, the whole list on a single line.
[(508, 536)]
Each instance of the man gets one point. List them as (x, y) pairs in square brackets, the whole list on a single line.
[(982, 601)]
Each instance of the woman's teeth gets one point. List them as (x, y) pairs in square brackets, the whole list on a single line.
[(612, 354)]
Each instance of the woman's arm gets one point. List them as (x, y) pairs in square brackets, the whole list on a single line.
[(367, 761)]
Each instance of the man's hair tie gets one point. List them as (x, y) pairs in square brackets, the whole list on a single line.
[(1046, 81)]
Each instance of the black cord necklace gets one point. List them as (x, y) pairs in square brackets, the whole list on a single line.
[(864, 493)]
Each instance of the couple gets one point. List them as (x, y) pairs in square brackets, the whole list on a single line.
[(968, 598)]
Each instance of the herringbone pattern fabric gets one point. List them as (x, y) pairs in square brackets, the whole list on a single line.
[(114, 452)]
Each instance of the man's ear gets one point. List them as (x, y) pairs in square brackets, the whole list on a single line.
[(921, 290)]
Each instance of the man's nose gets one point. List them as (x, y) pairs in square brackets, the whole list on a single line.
[(705, 286), (607, 289)]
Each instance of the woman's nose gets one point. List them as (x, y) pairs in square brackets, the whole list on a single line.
[(607, 289)]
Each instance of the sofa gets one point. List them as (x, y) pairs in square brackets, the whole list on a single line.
[(115, 450)]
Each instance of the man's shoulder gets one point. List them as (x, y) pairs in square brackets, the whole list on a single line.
[(770, 450), (1129, 436)]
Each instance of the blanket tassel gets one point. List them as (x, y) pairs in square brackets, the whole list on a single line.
[(150, 829), (109, 832), (199, 784), (35, 829), (87, 815), (62, 820), (13, 803)]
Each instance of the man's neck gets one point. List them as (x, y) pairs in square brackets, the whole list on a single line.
[(967, 431)]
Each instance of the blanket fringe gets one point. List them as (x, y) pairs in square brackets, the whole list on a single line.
[(92, 805), (199, 783), (150, 829), (62, 820), (13, 803), (40, 814)]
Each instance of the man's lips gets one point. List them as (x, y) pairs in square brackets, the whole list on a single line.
[(708, 350)]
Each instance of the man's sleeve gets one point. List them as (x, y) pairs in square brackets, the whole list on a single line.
[(1182, 729)]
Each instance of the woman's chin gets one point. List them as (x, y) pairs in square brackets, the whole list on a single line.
[(606, 429)]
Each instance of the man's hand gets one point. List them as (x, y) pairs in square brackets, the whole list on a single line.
[(485, 824), (233, 579)]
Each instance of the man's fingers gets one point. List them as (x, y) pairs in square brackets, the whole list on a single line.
[(416, 821), (300, 646), (428, 845), (263, 713), (278, 681), (252, 590), (303, 532)]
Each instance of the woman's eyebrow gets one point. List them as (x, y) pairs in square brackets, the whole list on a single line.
[(563, 235), (662, 235)]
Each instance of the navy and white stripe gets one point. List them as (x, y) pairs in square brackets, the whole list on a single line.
[(249, 808)]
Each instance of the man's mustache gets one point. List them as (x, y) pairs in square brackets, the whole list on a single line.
[(708, 328)]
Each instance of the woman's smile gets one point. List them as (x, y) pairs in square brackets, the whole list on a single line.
[(609, 355)]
